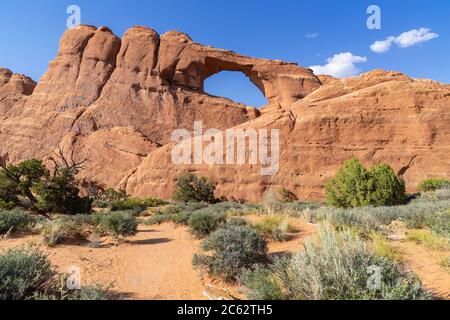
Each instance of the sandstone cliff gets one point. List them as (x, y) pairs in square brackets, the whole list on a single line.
[(117, 101)]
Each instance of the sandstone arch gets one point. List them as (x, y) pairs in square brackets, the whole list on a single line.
[(188, 64), (236, 86)]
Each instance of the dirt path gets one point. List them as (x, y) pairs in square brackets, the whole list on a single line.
[(156, 263), (153, 264), (424, 262)]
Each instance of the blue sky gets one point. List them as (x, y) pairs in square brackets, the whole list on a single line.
[(30, 31)]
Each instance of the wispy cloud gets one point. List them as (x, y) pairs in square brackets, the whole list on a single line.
[(405, 40), (341, 65), (312, 35)]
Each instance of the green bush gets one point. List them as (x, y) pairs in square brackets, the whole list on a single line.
[(334, 266), (116, 223), (434, 184), (192, 206), (261, 284), (59, 194), (111, 195), (23, 272), (355, 186), (238, 222), (74, 227), (233, 248), (16, 220), (194, 189), (153, 202), (44, 191), (135, 204), (170, 209), (385, 188), (276, 227), (157, 219), (181, 218), (203, 222), (17, 181), (128, 204)]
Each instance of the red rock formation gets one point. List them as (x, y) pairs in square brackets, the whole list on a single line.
[(116, 102)]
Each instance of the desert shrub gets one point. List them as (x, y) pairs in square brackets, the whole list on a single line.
[(203, 222), (153, 202), (59, 194), (233, 248), (428, 239), (128, 204), (227, 206), (434, 184), (64, 228), (170, 209), (287, 196), (97, 203), (193, 206), (349, 188), (111, 195), (23, 272), (89, 293), (26, 274), (157, 219), (355, 186), (276, 227), (383, 248), (262, 285), (181, 218), (106, 198), (275, 199), (334, 266), (17, 181), (16, 220), (116, 223), (385, 188), (438, 195), (439, 222), (416, 215), (237, 222), (272, 201), (194, 189), (297, 207), (135, 204), (56, 289)]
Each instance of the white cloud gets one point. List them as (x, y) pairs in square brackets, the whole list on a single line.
[(312, 35), (405, 40), (382, 46), (413, 37), (341, 65)]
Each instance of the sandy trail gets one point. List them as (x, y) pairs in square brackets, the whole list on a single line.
[(156, 263), (153, 264), (424, 262)]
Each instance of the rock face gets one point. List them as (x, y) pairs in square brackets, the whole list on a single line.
[(117, 101)]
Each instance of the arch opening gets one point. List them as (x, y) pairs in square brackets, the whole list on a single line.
[(236, 86)]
